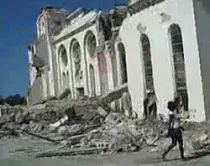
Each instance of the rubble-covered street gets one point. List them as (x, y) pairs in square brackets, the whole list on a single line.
[(20, 152), (67, 128)]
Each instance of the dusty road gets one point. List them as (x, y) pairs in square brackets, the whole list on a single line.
[(21, 151)]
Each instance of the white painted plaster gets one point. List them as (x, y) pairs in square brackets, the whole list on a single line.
[(182, 14), (80, 38), (202, 21), (109, 70), (50, 72)]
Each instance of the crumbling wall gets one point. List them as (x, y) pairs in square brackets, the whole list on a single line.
[(39, 59), (102, 63), (57, 22), (36, 92), (43, 53), (42, 49), (55, 72)]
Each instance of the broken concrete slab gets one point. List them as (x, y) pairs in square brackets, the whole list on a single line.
[(102, 112), (83, 151), (65, 94), (60, 122)]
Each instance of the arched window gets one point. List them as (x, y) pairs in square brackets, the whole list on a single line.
[(63, 62), (147, 62), (178, 57), (122, 56), (179, 63), (76, 56), (63, 55), (91, 43)]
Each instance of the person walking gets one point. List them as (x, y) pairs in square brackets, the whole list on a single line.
[(174, 131)]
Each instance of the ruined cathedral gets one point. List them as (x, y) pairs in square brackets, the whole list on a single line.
[(159, 45)]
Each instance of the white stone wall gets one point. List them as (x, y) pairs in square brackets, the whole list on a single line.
[(91, 60), (50, 66), (80, 37), (202, 18), (179, 12), (42, 29), (32, 70), (41, 24)]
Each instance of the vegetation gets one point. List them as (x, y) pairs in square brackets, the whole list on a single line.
[(1, 100), (13, 100)]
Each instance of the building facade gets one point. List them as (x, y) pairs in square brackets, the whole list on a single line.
[(80, 51), (159, 45), (169, 53)]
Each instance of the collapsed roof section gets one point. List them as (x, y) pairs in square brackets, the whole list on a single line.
[(136, 6)]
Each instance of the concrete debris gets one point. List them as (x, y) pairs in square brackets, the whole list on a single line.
[(84, 124), (201, 142), (115, 94), (39, 136), (58, 123), (102, 112), (22, 117), (71, 153), (65, 94)]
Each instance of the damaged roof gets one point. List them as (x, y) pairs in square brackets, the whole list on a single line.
[(141, 5)]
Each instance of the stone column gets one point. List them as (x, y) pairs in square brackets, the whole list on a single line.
[(108, 55), (44, 86), (50, 72)]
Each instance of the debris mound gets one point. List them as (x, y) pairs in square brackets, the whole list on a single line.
[(89, 125)]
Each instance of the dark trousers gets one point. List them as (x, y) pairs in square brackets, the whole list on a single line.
[(176, 136)]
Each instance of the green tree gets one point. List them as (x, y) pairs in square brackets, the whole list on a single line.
[(16, 100)]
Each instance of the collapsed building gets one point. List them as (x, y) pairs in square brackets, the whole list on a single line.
[(148, 44), (77, 51)]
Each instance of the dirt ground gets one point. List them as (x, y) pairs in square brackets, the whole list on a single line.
[(21, 152)]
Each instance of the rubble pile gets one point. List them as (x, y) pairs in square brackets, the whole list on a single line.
[(82, 124), (199, 136), (90, 126)]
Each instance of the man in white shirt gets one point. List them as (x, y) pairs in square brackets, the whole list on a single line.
[(175, 131)]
